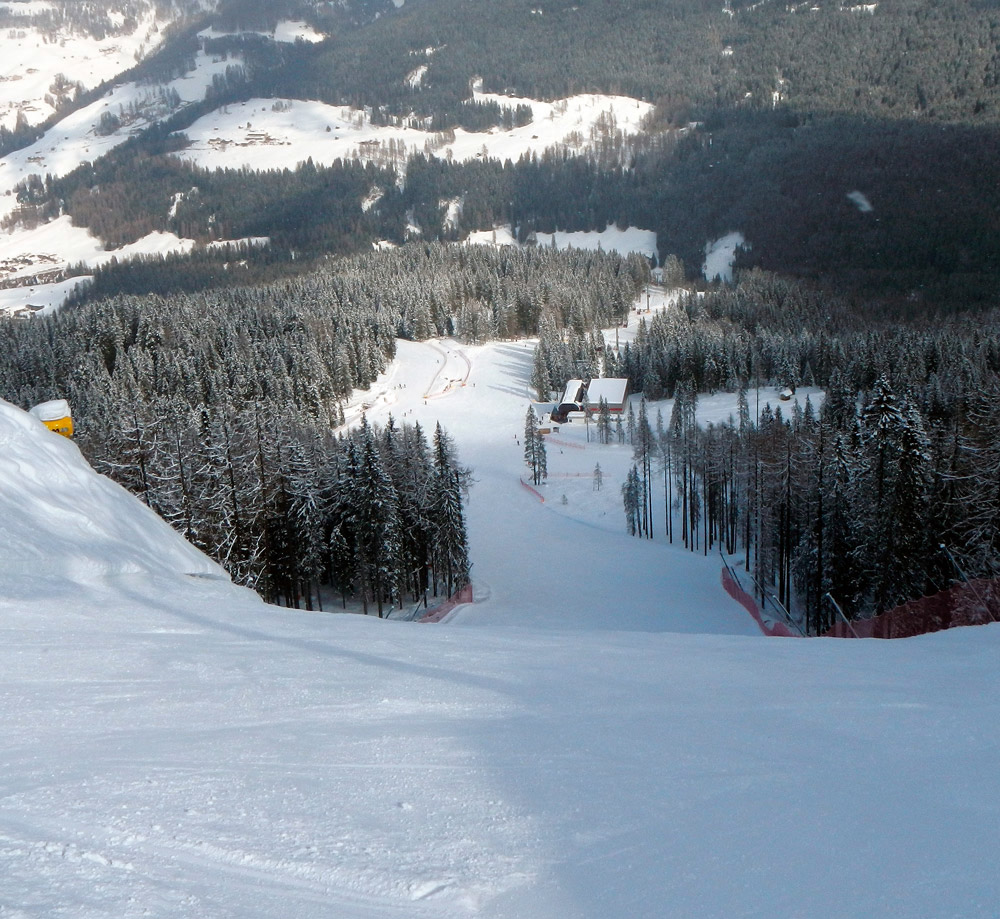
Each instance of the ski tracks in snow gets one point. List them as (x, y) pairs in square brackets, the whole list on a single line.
[(453, 370)]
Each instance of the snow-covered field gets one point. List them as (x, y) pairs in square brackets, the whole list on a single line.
[(30, 252), (286, 31), (275, 134), (611, 239), (38, 298), (719, 257), (33, 58), (602, 733), (76, 139)]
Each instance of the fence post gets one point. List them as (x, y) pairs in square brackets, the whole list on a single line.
[(968, 583), (840, 612)]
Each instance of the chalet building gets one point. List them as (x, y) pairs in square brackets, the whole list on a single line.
[(574, 392), (572, 401), (578, 394), (28, 311)]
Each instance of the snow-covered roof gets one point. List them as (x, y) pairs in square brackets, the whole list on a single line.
[(572, 391), (613, 389)]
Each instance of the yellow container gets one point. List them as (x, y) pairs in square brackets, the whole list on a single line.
[(55, 415)]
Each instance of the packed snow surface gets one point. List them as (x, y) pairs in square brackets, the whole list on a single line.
[(600, 734)]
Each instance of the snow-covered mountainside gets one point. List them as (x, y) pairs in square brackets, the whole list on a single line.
[(259, 134), (53, 49), (601, 734), (263, 134)]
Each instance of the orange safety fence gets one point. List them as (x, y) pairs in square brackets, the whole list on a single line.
[(442, 609), (770, 627), (533, 490)]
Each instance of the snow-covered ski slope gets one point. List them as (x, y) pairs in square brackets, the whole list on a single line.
[(600, 735)]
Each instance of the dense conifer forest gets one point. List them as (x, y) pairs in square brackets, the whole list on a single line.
[(889, 492), (224, 411)]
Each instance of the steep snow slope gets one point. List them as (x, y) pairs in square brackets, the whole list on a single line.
[(59, 521), (171, 747), (549, 565)]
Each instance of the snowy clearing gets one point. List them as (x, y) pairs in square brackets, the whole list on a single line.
[(39, 298), (76, 139), (720, 255), (286, 31), (611, 239), (50, 247), (255, 136), (32, 61)]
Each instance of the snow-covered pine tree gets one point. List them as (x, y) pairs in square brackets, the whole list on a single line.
[(534, 448), (631, 492), (450, 542), (642, 452), (603, 421), (378, 537)]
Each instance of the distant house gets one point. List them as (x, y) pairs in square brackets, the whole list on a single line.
[(614, 390), (27, 311)]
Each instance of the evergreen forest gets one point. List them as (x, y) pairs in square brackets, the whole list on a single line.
[(888, 492)]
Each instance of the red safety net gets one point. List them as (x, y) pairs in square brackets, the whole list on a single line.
[(974, 602), (768, 625)]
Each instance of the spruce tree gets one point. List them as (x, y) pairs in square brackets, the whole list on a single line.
[(534, 448), (631, 491), (450, 542), (603, 421)]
